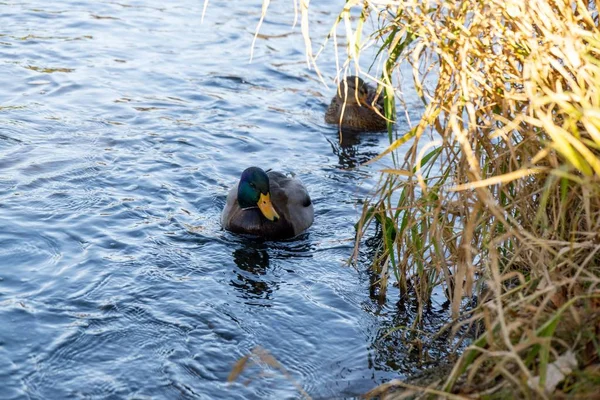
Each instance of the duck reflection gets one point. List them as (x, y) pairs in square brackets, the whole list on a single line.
[(353, 149), (250, 276)]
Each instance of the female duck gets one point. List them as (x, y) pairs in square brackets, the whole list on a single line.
[(355, 108), (268, 204)]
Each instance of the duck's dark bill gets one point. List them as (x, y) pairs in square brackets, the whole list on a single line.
[(266, 207)]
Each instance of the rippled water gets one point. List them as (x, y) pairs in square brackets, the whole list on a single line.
[(122, 127)]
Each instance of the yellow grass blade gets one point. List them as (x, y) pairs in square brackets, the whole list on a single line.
[(505, 178)]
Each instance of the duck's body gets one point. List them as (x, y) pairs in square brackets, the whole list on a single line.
[(362, 112), (293, 210)]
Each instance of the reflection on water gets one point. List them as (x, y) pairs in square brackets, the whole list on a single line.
[(252, 265), (404, 350), (354, 149)]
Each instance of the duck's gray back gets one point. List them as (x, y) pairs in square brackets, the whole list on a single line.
[(296, 202)]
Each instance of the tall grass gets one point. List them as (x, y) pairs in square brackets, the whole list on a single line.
[(499, 193)]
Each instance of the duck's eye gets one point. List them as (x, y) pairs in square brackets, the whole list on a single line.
[(252, 185)]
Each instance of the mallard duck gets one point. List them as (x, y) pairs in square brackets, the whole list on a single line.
[(359, 113), (268, 204)]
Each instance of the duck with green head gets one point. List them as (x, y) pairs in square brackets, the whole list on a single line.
[(356, 107), (268, 204)]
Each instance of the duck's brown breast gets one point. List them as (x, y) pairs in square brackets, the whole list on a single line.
[(251, 221), (355, 117)]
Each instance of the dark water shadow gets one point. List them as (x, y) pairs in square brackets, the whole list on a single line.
[(255, 275), (405, 342), (354, 148), (250, 277)]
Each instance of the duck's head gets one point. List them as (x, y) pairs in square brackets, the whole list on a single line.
[(353, 91), (253, 191)]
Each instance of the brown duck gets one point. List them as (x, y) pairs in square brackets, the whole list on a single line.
[(359, 113)]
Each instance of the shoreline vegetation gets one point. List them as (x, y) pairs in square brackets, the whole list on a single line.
[(498, 197)]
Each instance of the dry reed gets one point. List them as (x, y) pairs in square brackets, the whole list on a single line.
[(499, 193)]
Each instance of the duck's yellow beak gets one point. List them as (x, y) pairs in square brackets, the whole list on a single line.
[(266, 207)]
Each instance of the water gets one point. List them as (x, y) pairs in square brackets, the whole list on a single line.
[(122, 126)]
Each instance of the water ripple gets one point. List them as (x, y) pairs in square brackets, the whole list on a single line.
[(122, 128)]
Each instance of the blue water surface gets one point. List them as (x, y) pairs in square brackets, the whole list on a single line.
[(122, 126)]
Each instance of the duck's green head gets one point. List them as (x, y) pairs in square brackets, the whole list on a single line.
[(253, 191), (353, 90)]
